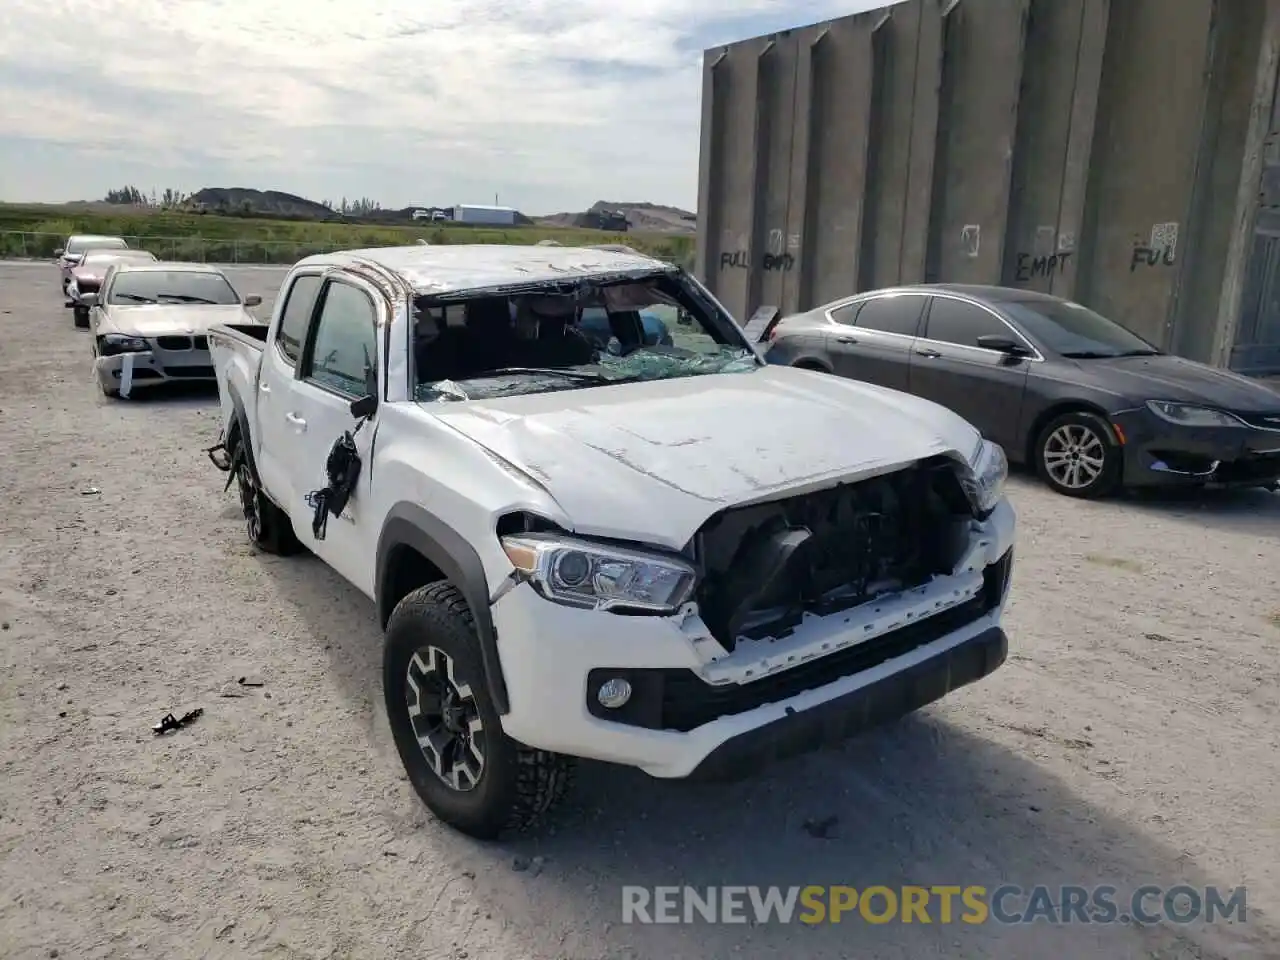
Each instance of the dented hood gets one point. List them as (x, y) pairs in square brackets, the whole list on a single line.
[(651, 462)]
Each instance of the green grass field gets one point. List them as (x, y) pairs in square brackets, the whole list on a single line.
[(37, 231)]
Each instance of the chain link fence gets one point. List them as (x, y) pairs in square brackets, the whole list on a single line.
[(43, 246), (16, 244)]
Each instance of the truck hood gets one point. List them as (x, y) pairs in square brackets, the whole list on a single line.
[(161, 319), (651, 462)]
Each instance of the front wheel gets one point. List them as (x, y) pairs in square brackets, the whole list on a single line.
[(1076, 456), (462, 765)]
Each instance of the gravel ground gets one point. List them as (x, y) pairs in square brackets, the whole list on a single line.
[(1132, 738)]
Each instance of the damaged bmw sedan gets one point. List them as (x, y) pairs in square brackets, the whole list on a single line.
[(149, 322), (651, 550)]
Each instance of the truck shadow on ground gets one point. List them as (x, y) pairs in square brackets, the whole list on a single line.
[(929, 800)]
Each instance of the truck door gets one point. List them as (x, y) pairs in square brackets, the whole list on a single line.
[(275, 442), (338, 363)]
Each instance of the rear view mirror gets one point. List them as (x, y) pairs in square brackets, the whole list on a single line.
[(1005, 345), (59, 252), (88, 299), (252, 300)]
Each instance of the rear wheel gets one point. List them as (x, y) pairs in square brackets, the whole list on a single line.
[(268, 527), (1076, 456), (462, 765)]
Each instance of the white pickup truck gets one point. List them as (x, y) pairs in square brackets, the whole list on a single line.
[(668, 555)]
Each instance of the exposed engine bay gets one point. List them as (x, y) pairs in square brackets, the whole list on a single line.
[(768, 565)]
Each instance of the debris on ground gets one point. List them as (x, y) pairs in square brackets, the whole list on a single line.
[(169, 722), (90, 492), (250, 682), (822, 829)]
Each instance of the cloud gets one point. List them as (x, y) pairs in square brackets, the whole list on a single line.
[(551, 104)]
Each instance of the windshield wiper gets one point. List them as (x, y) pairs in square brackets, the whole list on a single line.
[(187, 298), (1140, 353), (136, 298), (1090, 355)]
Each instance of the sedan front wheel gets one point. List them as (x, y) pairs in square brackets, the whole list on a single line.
[(1076, 456)]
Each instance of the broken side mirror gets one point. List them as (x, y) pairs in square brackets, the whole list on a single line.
[(365, 407), (252, 300)]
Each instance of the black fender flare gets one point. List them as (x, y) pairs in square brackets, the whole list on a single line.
[(408, 524), (242, 420)]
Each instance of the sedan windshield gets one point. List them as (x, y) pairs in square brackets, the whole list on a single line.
[(491, 345), (97, 256), (81, 244), (1075, 331), (171, 286)]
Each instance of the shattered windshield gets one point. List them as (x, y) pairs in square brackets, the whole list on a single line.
[(490, 345)]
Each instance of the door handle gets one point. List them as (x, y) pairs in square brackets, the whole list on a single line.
[(926, 352), (846, 339), (297, 421)]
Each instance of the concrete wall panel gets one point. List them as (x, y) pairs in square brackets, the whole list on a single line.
[(729, 251), (771, 260), (1226, 125), (842, 64), (976, 131), (1143, 160)]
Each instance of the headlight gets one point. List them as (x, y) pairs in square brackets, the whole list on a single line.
[(114, 343), (984, 480), (581, 574), (1187, 415)]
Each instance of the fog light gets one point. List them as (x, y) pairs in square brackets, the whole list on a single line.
[(614, 693)]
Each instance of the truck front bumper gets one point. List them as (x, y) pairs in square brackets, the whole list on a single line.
[(676, 724)]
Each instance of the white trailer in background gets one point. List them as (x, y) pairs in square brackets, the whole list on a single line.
[(476, 213)]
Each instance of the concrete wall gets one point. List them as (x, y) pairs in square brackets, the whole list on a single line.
[(1103, 150)]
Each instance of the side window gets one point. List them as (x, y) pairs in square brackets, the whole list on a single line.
[(297, 314), (954, 321), (900, 314), (344, 346), (846, 314)]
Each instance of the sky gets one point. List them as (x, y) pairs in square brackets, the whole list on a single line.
[(549, 104)]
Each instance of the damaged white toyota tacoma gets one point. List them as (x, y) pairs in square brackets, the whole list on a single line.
[(596, 524)]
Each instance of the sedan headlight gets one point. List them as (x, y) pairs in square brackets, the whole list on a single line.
[(597, 577), (1189, 415), (985, 478), (114, 343)]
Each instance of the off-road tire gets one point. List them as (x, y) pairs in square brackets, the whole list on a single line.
[(80, 317), (1107, 481), (518, 785), (273, 531)]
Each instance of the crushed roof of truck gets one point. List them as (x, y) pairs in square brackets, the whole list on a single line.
[(442, 269)]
